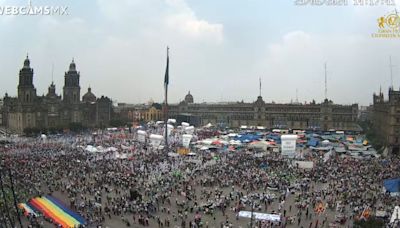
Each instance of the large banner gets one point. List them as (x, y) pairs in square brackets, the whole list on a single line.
[(141, 136), (186, 140), (288, 145), (155, 140), (260, 216)]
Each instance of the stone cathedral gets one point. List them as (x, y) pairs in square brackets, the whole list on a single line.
[(53, 111)]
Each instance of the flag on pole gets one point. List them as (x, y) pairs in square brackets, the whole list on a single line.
[(166, 77), (166, 81)]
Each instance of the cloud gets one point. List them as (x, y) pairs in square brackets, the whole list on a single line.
[(184, 20), (173, 16), (297, 60)]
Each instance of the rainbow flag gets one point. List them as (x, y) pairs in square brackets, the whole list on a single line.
[(54, 209)]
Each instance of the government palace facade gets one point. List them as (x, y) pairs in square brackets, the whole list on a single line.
[(322, 116)]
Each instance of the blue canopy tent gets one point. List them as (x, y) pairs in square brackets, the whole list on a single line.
[(247, 138), (312, 142), (275, 137), (392, 185)]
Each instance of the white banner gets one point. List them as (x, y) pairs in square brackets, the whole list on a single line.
[(260, 216), (288, 145), (186, 140), (141, 136)]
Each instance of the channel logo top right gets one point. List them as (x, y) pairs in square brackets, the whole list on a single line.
[(388, 26)]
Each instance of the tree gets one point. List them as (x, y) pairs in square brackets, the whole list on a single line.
[(374, 139)]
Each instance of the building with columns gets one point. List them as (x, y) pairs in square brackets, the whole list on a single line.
[(323, 116), (28, 110)]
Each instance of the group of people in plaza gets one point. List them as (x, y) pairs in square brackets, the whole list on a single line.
[(147, 187)]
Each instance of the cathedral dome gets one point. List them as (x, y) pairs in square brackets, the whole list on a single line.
[(89, 96), (189, 98)]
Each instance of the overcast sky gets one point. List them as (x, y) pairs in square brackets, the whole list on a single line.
[(218, 49)]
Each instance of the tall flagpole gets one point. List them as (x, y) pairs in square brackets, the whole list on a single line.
[(166, 81)]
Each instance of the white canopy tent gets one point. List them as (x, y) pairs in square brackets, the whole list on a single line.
[(155, 140), (189, 130), (172, 121)]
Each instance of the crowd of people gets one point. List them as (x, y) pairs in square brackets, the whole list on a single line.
[(149, 188)]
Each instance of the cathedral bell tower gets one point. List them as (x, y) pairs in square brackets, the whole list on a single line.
[(72, 90), (26, 89)]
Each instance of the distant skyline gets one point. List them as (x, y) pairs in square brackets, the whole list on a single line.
[(218, 50)]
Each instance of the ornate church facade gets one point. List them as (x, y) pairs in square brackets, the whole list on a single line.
[(53, 111)]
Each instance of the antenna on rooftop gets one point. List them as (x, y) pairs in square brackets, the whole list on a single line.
[(297, 97), (326, 84), (260, 86), (52, 73)]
